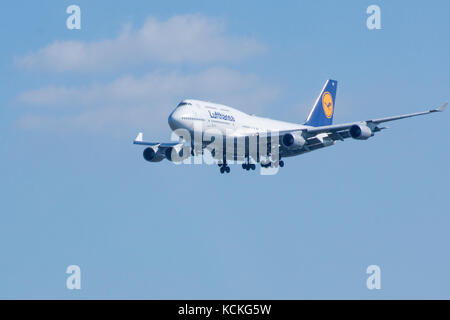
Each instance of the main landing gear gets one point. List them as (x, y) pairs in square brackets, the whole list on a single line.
[(273, 164), (248, 166), (224, 167)]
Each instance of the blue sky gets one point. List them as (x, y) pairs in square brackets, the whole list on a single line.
[(76, 191)]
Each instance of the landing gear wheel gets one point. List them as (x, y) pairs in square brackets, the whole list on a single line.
[(224, 167), (248, 166), (281, 163)]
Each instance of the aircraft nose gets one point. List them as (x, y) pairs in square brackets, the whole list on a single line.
[(175, 119)]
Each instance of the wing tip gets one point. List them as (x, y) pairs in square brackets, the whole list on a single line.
[(442, 108)]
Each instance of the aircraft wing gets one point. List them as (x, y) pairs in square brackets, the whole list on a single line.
[(139, 140), (341, 129), (322, 136)]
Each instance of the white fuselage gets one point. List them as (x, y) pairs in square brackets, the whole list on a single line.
[(193, 114)]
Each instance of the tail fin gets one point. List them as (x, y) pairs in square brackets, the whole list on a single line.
[(322, 112)]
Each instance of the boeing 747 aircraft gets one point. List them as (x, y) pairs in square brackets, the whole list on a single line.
[(286, 139)]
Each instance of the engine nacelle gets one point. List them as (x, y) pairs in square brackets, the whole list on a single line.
[(152, 155), (360, 132), (174, 152), (293, 140)]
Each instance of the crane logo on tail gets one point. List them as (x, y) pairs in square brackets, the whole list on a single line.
[(327, 104)]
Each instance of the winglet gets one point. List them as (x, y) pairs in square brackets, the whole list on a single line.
[(139, 137), (442, 108)]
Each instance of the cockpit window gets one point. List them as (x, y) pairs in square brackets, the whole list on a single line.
[(182, 103)]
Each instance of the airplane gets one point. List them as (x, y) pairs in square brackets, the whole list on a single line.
[(290, 139)]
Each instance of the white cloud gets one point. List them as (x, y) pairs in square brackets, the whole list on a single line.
[(140, 102), (183, 38)]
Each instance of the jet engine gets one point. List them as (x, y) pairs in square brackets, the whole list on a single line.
[(360, 132), (174, 151), (293, 140), (152, 155)]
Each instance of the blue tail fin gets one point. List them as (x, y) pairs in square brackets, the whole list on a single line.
[(322, 112)]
